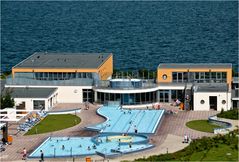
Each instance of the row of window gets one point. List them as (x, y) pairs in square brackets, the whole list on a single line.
[(60, 75), (127, 99), (200, 77)]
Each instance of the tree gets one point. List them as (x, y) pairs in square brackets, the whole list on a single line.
[(7, 101)]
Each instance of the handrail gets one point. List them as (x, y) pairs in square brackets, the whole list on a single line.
[(225, 125)]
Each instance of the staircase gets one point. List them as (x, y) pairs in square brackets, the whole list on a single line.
[(188, 97)]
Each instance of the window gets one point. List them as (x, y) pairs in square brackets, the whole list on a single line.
[(197, 75), (213, 75), (223, 102), (165, 77), (180, 77), (202, 101), (207, 76), (219, 76), (202, 76), (38, 104), (174, 76), (185, 76)]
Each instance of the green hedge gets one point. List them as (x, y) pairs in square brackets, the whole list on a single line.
[(231, 114)]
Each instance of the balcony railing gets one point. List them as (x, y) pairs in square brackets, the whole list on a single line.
[(71, 82), (106, 85)]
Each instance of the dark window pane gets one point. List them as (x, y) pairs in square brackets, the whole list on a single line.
[(213, 75), (197, 75), (180, 76), (174, 76)]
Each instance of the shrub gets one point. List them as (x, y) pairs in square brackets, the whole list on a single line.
[(231, 114)]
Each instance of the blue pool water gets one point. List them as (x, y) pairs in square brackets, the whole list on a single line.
[(106, 145), (126, 121)]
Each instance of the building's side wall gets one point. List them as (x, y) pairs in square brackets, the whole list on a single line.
[(168, 72), (70, 94), (198, 96), (106, 69)]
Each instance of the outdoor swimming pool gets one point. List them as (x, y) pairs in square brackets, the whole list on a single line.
[(117, 135), (126, 121), (105, 145)]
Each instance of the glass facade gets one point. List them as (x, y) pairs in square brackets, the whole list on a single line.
[(127, 98), (164, 95), (199, 77), (177, 94), (60, 75)]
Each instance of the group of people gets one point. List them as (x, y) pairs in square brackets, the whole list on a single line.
[(155, 106), (93, 147), (24, 155), (186, 138)]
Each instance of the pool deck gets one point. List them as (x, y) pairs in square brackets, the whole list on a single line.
[(168, 135)]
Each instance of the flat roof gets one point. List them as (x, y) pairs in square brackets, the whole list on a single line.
[(30, 92), (211, 87), (64, 60), (191, 66)]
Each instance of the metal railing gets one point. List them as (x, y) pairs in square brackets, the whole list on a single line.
[(105, 84), (71, 82)]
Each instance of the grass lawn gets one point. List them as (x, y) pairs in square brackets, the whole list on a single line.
[(54, 122), (221, 153), (202, 125)]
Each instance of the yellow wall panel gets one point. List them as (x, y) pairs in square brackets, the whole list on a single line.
[(106, 69)]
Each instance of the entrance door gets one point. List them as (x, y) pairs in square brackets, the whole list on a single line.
[(213, 102), (164, 96), (88, 95)]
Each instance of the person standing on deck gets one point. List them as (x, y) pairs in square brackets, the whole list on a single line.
[(42, 156)]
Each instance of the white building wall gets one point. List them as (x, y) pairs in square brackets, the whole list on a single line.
[(28, 102), (65, 94), (198, 96), (71, 94)]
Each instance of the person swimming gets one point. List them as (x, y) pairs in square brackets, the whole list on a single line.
[(63, 147)]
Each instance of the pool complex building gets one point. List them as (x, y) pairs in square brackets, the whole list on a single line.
[(45, 79)]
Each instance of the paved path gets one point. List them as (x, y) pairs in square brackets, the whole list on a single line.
[(171, 131)]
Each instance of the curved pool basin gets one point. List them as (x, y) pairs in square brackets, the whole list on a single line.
[(105, 145)]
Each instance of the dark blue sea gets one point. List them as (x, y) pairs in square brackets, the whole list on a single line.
[(139, 34)]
